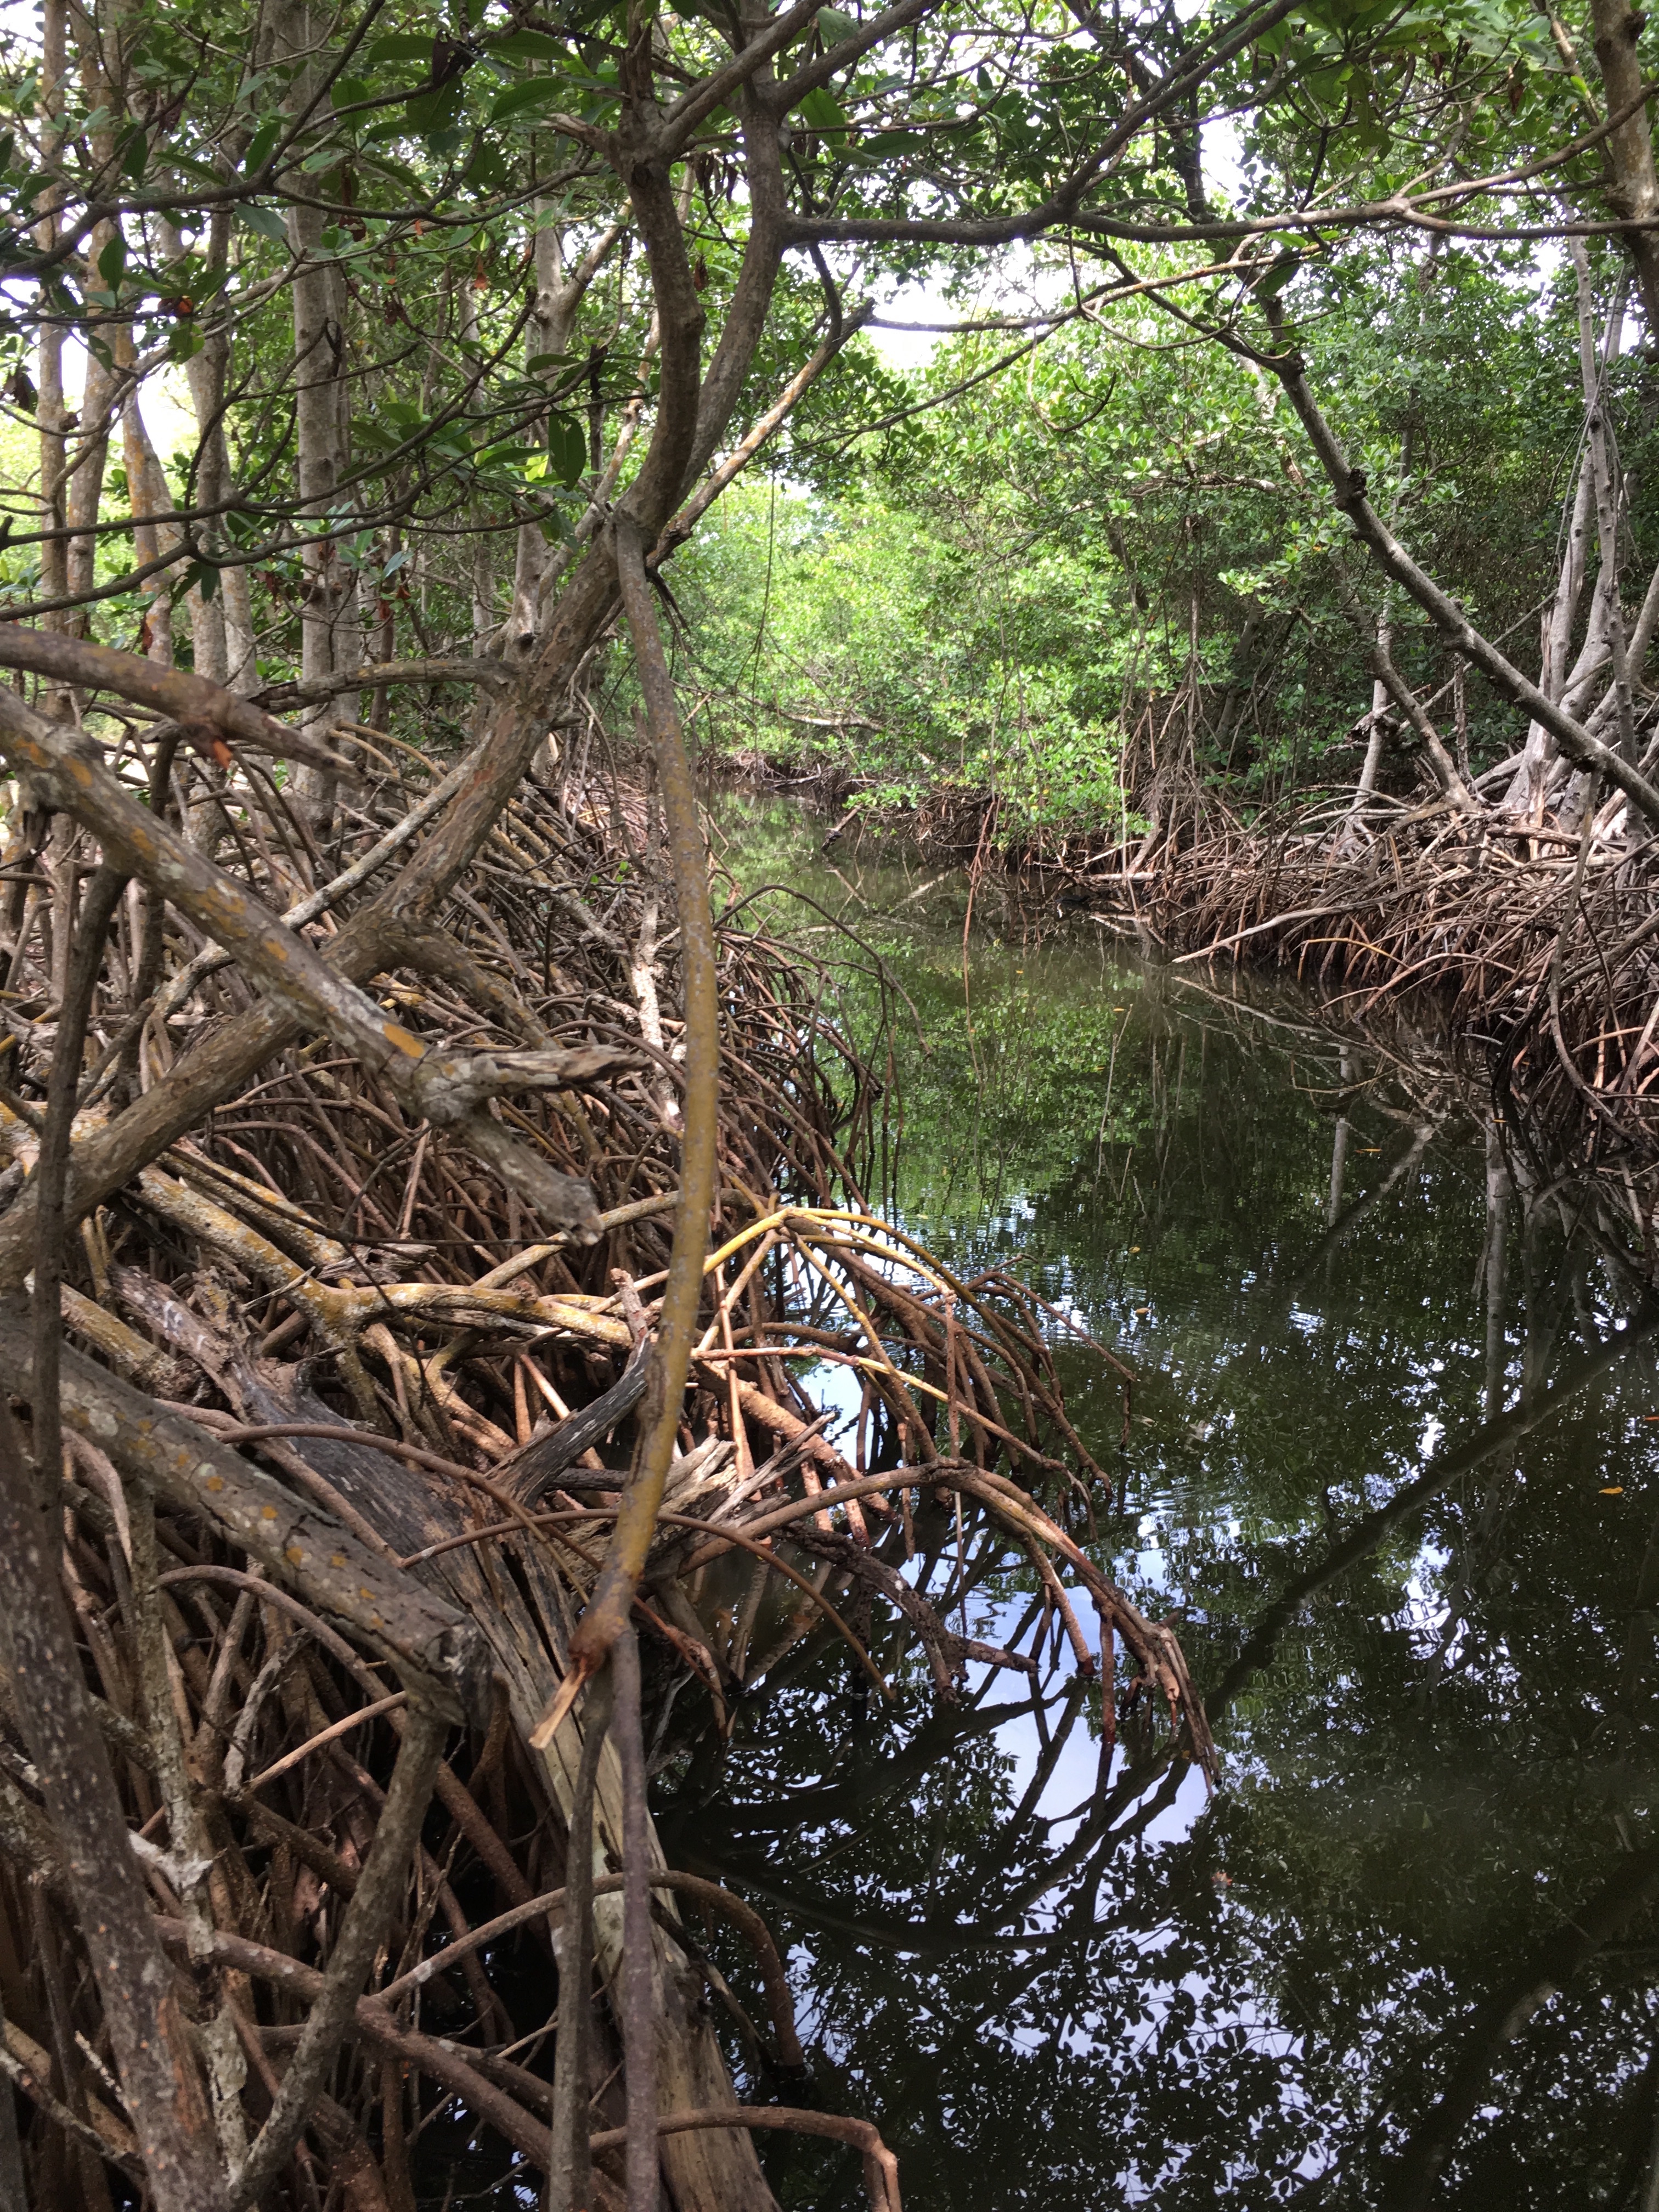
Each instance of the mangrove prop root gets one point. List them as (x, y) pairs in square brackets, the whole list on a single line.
[(365, 1446)]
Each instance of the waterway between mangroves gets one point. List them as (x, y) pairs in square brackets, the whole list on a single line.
[(1054, 1979)]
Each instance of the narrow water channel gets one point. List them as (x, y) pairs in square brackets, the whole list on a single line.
[(1392, 1464)]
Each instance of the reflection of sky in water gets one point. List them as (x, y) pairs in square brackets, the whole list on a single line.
[(1409, 1802)]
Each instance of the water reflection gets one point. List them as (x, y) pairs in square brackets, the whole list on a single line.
[(1391, 1465)]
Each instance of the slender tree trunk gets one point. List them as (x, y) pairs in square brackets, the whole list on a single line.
[(385, 638), (548, 332), (547, 339), (1373, 762), (1634, 192), (207, 370), (87, 462), (1527, 792), (150, 496), (481, 561), (98, 42), (1604, 469), (320, 360), (50, 409)]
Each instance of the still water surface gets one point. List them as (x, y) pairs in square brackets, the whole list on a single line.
[(1427, 1644)]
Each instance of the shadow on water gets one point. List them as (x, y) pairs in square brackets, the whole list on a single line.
[(1393, 1465)]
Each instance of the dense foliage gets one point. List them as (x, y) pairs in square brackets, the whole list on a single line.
[(377, 282), (1120, 545)]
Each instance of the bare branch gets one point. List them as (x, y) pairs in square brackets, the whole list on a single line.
[(380, 1888), (175, 692), (1349, 487)]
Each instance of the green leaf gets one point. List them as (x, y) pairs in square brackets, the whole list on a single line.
[(820, 111), (265, 221), (487, 171), (188, 166), (890, 145), (429, 112), (401, 46), (1272, 281), (836, 24), (567, 449), (112, 262), (259, 146), (535, 92), (528, 46), (388, 164)]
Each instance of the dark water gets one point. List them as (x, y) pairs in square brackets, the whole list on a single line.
[(1406, 1952)]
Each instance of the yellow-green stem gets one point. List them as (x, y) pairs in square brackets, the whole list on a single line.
[(607, 1611)]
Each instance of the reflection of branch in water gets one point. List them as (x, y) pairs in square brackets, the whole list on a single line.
[(1340, 1137), (1494, 1266), (1365, 1536), (1422, 1136), (1501, 2018), (824, 1803), (943, 1931), (1080, 1922)]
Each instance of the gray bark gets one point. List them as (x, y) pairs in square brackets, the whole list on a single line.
[(552, 321), (320, 403), (207, 369), (1527, 792)]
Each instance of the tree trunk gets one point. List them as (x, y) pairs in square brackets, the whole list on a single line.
[(95, 41), (1525, 795), (320, 418), (148, 492), (1379, 730), (1634, 192), (51, 411), (552, 320), (207, 370)]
